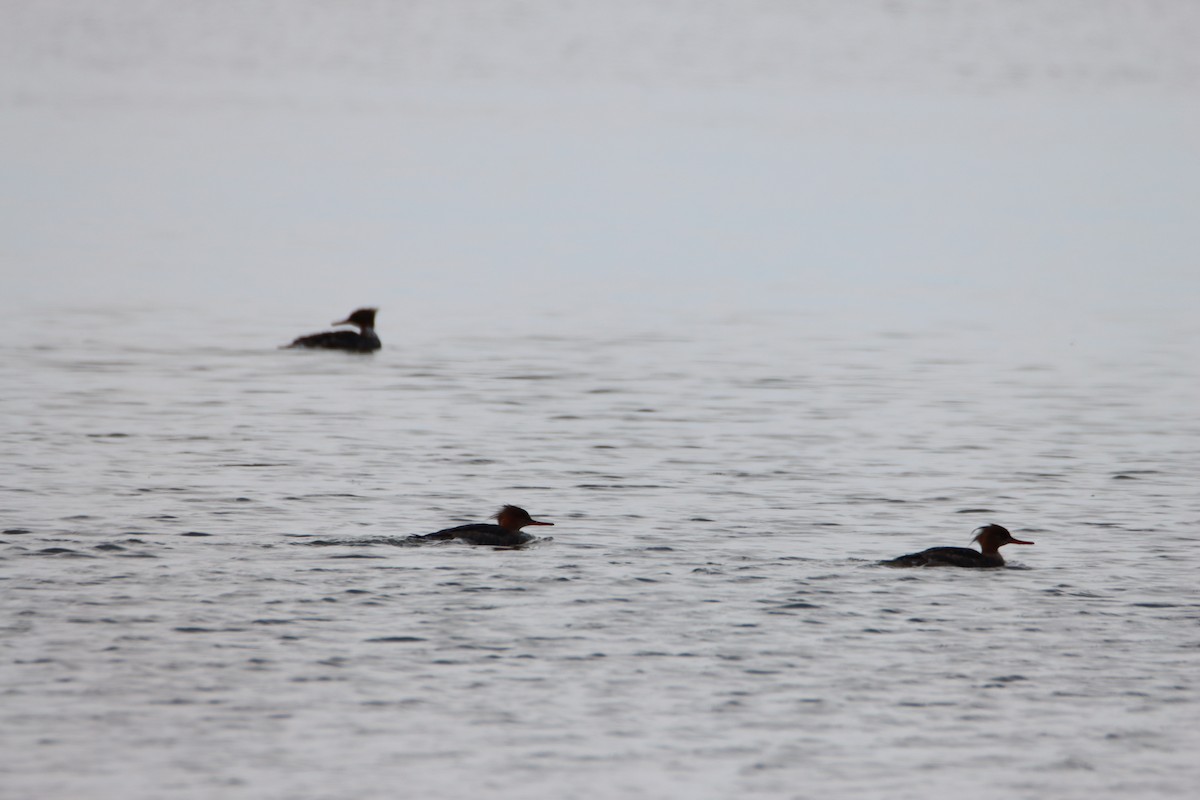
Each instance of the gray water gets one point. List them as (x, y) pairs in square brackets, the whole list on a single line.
[(743, 301)]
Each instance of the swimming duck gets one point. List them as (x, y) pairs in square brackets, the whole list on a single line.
[(505, 533), (990, 537), (365, 341)]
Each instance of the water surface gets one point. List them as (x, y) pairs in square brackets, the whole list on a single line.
[(742, 304)]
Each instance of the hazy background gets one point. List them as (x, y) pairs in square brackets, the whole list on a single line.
[(1023, 162)]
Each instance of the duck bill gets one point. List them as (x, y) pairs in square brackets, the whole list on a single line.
[(1018, 541), (535, 522), (342, 322)]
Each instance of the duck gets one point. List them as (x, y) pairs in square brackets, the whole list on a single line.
[(505, 533), (364, 341), (990, 537)]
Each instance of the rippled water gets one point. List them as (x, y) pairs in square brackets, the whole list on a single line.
[(743, 305), (707, 617)]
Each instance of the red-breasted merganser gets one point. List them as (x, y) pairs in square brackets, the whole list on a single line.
[(505, 533), (990, 537), (365, 341)]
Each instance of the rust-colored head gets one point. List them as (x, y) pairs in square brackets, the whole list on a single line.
[(513, 518), (363, 318), (992, 537)]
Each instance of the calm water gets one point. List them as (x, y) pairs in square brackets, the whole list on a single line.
[(741, 317)]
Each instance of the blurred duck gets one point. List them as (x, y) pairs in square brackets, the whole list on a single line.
[(365, 341), (990, 537), (505, 533)]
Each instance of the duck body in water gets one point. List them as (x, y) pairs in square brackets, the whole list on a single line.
[(505, 533), (365, 340), (990, 537)]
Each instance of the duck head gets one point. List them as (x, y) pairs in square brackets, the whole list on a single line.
[(992, 537), (363, 318), (513, 518)]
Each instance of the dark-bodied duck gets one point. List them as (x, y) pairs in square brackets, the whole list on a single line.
[(505, 533), (990, 537), (364, 341)]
